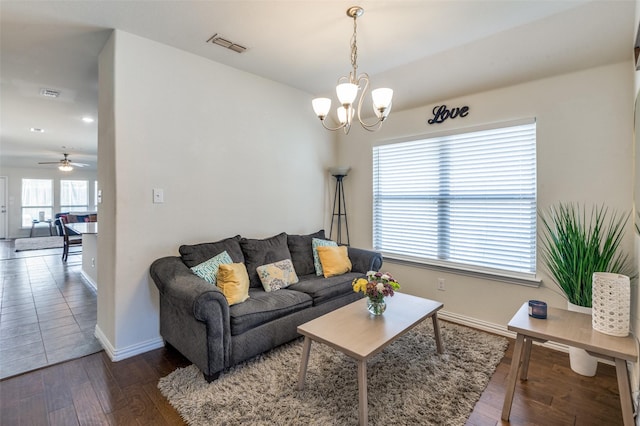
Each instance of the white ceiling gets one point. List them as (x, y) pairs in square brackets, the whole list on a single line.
[(425, 50)]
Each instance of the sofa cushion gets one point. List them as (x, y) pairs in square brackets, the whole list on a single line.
[(324, 289), (334, 260), (315, 243), (195, 254), (208, 270), (302, 253), (275, 276), (262, 307), (263, 252), (234, 282)]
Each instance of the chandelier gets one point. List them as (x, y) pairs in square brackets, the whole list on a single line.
[(347, 91)]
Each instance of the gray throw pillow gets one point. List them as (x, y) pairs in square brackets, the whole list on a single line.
[(302, 253), (262, 252), (193, 255)]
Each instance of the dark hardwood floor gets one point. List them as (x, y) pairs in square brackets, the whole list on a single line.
[(552, 395), (93, 390)]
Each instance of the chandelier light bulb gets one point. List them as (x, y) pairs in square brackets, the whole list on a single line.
[(382, 98), (347, 93), (321, 107), (342, 115)]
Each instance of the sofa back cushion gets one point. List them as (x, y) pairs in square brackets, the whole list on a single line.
[(302, 253), (193, 255), (262, 252)]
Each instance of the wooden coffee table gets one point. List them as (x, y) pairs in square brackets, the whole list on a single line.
[(355, 332)]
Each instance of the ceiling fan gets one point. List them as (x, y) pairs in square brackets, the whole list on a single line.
[(65, 164)]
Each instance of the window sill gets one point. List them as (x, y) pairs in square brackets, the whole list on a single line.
[(473, 273)]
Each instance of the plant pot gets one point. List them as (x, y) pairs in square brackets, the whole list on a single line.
[(581, 362)]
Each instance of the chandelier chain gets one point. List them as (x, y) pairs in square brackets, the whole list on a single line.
[(354, 49)]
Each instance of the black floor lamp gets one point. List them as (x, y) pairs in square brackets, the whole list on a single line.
[(339, 205)]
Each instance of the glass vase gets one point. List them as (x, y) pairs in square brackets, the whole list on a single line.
[(376, 307)]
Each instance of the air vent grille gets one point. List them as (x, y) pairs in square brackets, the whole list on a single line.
[(49, 93), (223, 42)]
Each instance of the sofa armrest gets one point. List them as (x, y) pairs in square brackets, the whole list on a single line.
[(176, 281), (185, 300), (364, 260)]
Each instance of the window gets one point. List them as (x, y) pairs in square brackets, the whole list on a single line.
[(464, 201), (37, 200), (74, 195)]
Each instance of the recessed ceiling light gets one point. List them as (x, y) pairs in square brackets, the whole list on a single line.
[(88, 119), (36, 130)]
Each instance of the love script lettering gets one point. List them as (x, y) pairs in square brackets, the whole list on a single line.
[(441, 113)]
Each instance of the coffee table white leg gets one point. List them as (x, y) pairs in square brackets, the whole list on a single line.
[(363, 415), (304, 361)]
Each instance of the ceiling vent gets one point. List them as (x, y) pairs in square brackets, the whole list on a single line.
[(49, 93), (217, 39)]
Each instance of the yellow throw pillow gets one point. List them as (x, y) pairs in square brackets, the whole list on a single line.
[(334, 260), (233, 280)]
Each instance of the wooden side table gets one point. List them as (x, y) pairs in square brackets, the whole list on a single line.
[(572, 329)]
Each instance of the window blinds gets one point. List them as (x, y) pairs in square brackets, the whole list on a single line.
[(465, 200)]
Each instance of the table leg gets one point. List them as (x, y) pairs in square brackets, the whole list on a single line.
[(363, 415), (624, 388), (513, 377), (304, 361), (33, 224), (524, 370), (436, 332)]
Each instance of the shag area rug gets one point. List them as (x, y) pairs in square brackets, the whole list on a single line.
[(38, 243), (408, 383)]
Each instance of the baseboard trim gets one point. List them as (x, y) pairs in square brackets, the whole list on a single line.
[(90, 280), (490, 327), (116, 355), (500, 330)]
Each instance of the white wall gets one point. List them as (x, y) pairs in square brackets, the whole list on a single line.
[(584, 154), (14, 193), (233, 152)]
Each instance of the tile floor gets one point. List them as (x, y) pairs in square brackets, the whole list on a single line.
[(47, 310)]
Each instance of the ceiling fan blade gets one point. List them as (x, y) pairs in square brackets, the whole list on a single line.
[(49, 162), (78, 164)]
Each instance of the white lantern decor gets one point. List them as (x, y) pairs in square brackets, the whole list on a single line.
[(611, 302)]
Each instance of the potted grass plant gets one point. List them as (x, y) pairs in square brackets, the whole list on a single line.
[(575, 244)]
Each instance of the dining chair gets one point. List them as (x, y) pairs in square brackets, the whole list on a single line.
[(69, 240)]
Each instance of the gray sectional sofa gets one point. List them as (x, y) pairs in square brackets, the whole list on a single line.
[(197, 320)]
